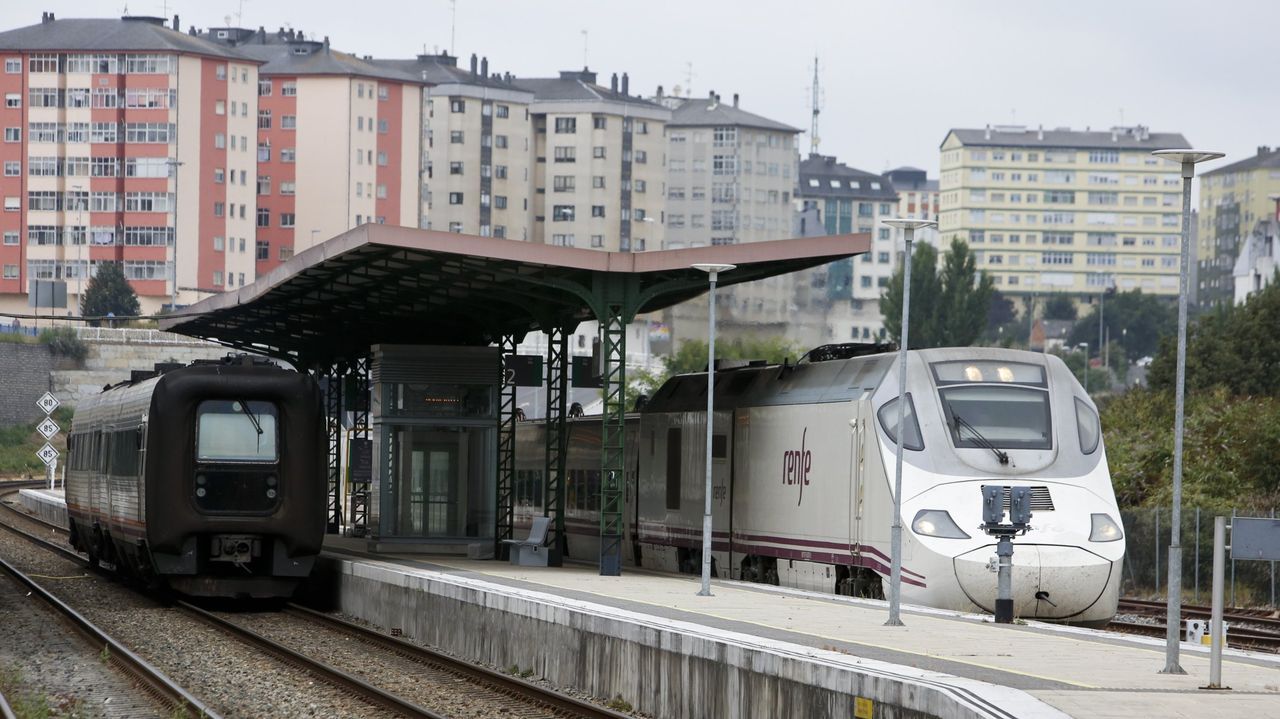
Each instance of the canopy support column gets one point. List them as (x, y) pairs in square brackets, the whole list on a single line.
[(613, 328), (557, 440), (505, 495), (333, 416), (359, 400)]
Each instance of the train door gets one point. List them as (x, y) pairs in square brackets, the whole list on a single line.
[(721, 506), (857, 478), (739, 476)]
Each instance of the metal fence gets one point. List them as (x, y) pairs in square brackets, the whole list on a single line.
[(1146, 563), (19, 330)]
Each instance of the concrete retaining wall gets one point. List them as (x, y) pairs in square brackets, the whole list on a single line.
[(664, 668)]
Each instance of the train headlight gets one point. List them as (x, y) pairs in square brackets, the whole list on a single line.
[(1105, 529), (271, 494), (200, 491), (937, 523)]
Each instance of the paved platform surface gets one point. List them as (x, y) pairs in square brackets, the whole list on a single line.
[(1082, 672)]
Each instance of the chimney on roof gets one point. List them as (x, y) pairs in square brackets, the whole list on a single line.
[(735, 99), (475, 62), (626, 84), (613, 82), (193, 31), (1263, 149), (177, 26), (715, 101), (326, 42), (484, 66), (659, 92), (1040, 133), (1115, 132), (988, 132)]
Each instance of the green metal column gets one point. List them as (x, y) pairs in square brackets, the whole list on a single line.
[(359, 400), (557, 440), (333, 418), (613, 328), (505, 494)]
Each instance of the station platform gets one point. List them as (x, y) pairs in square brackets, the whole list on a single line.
[(756, 650)]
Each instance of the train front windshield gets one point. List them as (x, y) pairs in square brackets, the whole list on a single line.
[(226, 432), (995, 404)]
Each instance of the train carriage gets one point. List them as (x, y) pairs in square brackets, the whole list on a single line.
[(803, 468), (209, 478)]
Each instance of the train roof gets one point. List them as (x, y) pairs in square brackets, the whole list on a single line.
[(840, 379)]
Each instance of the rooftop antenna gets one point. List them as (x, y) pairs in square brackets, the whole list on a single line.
[(817, 108), (584, 49), (453, 27), (688, 79), (1122, 117), (239, 14)]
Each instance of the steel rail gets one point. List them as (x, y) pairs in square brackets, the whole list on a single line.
[(152, 680), (323, 671), (505, 683)]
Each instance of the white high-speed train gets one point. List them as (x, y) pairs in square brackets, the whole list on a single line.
[(803, 471)]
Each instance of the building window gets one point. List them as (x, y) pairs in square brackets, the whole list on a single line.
[(597, 240), (12, 65), (566, 125), (597, 152), (563, 183), (289, 89), (500, 172), (502, 111), (455, 168), (500, 202), (264, 217), (383, 92), (220, 141), (562, 213), (566, 153), (455, 198), (500, 141), (287, 219), (455, 227), (288, 122), (562, 240), (288, 154), (457, 105), (456, 137), (219, 209), (262, 250)]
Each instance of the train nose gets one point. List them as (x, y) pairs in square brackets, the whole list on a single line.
[(1049, 582)]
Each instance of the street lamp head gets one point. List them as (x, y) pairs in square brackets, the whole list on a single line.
[(906, 223), (1188, 158), (713, 267)]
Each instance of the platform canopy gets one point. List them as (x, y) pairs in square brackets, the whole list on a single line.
[(399, 285)]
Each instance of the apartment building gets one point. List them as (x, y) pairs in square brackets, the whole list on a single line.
[(477, 148), (599, 163), (848, 200), (337, 144), (1233, 200), (730, 177), (1065, 210), (917, 198), (104, 120)]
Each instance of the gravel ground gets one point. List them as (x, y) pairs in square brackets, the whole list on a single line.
[(53, 664), (428, 685), (231, 678)]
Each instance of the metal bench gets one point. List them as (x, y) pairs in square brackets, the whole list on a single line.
[(531, 551)]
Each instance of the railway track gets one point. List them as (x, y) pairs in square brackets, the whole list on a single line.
[(1254, 629), (369, 652), (150, 681)]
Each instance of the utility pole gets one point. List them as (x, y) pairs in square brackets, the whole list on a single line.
[(817, 108)]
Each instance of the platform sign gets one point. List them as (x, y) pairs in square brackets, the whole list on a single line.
[(360, 461), (48, 403), (48, 428), (47, 454), (1255, 538)]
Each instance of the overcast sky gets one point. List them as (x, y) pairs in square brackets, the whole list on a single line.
[(896, 75)]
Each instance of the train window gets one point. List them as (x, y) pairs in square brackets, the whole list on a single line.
[(1088, 426), (988, 371), (719, 446), (889, 422), (225, 432), (673, 468), (1001, 415)]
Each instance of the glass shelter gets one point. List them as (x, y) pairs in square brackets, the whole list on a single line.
[(435, 425)]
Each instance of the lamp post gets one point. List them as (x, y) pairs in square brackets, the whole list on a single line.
[(1085, 345), (1187, 159), (84, 237), (712, 269), (175, 164), (909, 228)]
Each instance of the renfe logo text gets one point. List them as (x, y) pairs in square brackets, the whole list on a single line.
[(795, 466)]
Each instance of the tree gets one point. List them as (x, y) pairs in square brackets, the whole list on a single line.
[(1135, 320), (926, 292), (1059, 306), (949, 305), (109, 292), (691, 357), (1002, 323)]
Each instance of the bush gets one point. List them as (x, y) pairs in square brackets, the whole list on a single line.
[(65, 342), (1230, 454)]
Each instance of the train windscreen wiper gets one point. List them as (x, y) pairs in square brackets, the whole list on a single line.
[(979, 440), (249, 413)]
